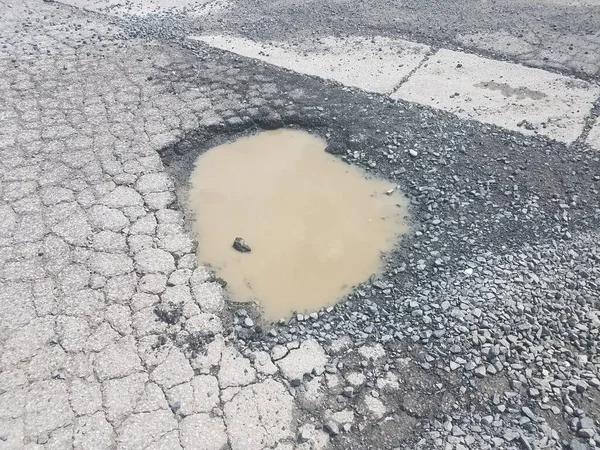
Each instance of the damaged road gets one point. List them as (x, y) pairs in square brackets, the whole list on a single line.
[(482, 331)]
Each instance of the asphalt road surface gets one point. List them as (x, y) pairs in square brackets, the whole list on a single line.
[(482, 332)]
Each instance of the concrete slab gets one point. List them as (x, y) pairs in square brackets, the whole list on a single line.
[(593, 138), (500, 93), (375, 64)]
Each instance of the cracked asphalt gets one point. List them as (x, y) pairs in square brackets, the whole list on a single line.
[(482, 332)]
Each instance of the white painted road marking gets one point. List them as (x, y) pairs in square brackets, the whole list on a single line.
[(510, 95), (515, 97), (375, 65)]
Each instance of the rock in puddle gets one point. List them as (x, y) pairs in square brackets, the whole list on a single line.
[(241, 245)]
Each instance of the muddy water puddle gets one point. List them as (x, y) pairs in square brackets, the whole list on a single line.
[(316, 226)]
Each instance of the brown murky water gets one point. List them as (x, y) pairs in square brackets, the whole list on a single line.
[(316, 226)]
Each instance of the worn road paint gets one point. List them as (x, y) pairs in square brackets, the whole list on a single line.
[(515, 97), (512, 96), (376, 64)]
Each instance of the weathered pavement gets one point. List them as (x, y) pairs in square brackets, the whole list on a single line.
[(482, 333)]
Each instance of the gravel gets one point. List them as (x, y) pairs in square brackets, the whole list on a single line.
[(493, 297)]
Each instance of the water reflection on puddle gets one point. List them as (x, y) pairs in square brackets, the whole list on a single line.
[(316, 226)]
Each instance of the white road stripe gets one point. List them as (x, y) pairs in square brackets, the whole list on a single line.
[(519, 98), (374, 65), (512, 96)]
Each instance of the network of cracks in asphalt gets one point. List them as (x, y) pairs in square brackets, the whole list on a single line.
[(488, 277)]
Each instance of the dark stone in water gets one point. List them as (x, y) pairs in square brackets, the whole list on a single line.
[(241, 245)]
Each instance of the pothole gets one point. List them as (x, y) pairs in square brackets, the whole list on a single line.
[(315, 225)]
